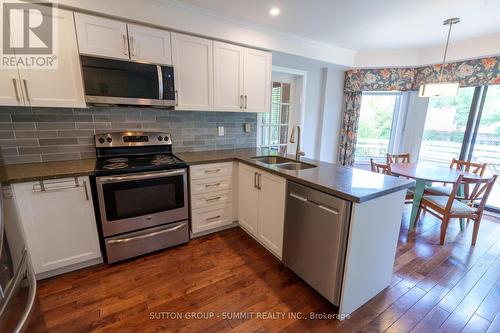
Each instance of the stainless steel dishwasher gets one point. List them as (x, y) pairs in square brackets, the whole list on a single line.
[(315, 238)]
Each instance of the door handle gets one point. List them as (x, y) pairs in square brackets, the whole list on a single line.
[(246, 101), (176, 98), (14, 82), (255, 180), (26, 90), (241, 102), (258, 181)]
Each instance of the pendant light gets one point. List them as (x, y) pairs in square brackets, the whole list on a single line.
[(441, 88)]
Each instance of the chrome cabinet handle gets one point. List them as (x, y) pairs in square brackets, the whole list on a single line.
[(212, 170), (258, 181), (213, 198), (14, 82), (241, 102), (246, 101), (125, 51), (213, 218), (124, 240), (26, 89), (176, 98), (86, 190), (132, 47), (255, 180), (213, 184)]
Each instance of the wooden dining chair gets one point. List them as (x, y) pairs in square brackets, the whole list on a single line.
[(448, 207), (380, 167), (470, 167), (398, 158)]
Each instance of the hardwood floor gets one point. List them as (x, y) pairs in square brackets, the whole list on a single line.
[(435, 288)]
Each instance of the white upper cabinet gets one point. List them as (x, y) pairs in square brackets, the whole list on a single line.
[(228, 77), (102, 37), (242, 78), (193, 71), (150, 45), (61, 86), (257, 80)]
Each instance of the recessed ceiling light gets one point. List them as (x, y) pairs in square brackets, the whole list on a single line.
[(274, 11)]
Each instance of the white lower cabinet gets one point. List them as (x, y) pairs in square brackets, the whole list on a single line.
[(58, 220), (261, 208), (211, 197)]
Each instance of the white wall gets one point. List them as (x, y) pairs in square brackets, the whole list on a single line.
[(323, 104), (464, 50)]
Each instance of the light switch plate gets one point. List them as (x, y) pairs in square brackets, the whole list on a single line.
[(248, 127), (220, 130)]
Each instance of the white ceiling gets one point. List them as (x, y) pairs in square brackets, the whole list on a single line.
[(364, 24)]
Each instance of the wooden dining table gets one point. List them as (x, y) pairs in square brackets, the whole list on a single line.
[(425, 174)]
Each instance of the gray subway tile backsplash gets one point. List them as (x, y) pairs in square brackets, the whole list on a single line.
[(53, 134)]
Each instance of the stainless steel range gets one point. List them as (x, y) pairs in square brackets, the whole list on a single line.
[(141, 190)]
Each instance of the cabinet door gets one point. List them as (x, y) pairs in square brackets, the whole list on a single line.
[(10, 87), (248, 199), (101, 37), (63, 85), (58, 223), (272, 212), (150, 45), (228, 77), (257, 80), (193, 70)]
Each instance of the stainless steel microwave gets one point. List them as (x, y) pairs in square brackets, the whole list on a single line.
[(110, 81)]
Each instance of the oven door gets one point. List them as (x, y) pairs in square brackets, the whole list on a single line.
[(136, 201)]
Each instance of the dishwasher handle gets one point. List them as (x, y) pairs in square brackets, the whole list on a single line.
[(317, 204)]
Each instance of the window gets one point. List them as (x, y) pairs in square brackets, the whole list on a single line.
[(274, 124), (377, 125), (445, 126)]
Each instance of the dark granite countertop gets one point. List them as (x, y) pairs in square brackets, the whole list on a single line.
[(348, 183), (351, 184), (18, 173)]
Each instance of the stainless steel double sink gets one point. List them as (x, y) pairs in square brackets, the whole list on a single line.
[(283, 162)]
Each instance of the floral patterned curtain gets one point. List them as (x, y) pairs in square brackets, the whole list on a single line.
[(349, 130), (468, 73)]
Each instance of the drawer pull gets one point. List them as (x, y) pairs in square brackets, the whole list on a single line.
[(213, 198), (212, 171), (125, 240), (213, 184), (213, 218)]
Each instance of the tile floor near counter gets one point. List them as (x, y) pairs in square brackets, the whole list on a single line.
[(448, 288)]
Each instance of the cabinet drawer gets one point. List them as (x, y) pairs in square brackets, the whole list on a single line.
[(210, 199), (213, 217), (212, 184), (211, 170)]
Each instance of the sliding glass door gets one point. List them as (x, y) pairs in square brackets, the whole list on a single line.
[(467, 127), (485, 147)]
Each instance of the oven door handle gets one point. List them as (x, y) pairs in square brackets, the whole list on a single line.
[(140, 176), (125, 240)]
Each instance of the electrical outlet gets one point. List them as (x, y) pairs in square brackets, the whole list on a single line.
[(220, 130), (248, 127)]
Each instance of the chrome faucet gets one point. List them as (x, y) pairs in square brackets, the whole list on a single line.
[(298, 153)]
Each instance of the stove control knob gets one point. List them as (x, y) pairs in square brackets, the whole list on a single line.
[(109, 140), (166, 138), (160, 138), (101, 140)]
